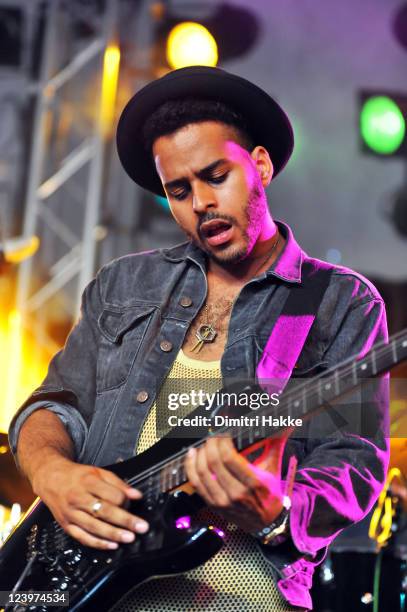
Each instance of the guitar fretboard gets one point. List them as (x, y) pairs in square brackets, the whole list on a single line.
[(301, 402)]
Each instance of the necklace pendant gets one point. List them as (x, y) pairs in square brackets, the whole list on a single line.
[(197, 347), (205, 333)]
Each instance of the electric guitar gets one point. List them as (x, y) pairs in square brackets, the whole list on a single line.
[(40, 556)]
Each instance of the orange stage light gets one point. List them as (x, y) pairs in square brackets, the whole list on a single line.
[(21, 368), (111, 64)]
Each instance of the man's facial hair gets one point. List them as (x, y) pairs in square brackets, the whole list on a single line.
[(255, 211)]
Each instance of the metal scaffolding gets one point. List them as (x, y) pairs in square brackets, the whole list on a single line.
[(74, 259)]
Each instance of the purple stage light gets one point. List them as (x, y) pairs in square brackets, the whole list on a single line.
[(183, 522), (218, 531)]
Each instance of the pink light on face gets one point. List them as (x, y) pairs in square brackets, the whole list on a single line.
[(183, 522)]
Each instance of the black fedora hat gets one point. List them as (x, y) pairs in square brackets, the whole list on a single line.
[(268, 124)]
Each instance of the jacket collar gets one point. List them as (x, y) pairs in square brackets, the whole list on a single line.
[(185, 250), (287, 266)]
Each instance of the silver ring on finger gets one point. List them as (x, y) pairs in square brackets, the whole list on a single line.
[(96, 506)]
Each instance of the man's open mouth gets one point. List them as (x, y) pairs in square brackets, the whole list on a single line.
[(216, 231)]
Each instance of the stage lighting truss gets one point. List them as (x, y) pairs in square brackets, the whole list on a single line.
[(73, 262)]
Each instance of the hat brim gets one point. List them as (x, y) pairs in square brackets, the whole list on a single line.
[(268, 124)]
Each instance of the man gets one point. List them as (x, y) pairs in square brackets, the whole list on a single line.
[(212, 142)]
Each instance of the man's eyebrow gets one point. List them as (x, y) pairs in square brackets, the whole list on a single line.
[(213, 166), (200, 174)]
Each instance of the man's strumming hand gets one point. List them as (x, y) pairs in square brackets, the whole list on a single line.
[(248, 495)]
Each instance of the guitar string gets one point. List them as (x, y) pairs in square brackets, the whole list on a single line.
[(167, 462), (380, 350)]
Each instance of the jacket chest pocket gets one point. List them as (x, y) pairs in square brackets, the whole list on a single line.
[(122, 334)]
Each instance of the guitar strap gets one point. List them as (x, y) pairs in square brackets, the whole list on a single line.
[(293, 326)]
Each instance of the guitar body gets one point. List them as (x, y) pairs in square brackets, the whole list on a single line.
[(40, 556)]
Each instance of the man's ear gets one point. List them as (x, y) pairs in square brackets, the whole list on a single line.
[(263, 163)]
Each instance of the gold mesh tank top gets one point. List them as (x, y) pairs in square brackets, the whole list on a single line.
[(238, 578)]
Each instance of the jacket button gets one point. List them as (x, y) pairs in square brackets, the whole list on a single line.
[(142, 396), (165, 346), (185, 301)]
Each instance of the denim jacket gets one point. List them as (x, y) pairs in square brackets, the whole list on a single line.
[(134, 318)]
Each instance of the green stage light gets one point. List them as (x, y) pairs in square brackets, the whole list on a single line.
[(382, 125)]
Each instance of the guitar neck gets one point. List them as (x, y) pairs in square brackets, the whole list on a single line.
[(308, 397), (302, 402)]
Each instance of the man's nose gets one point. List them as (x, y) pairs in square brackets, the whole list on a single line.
[(203, 198)]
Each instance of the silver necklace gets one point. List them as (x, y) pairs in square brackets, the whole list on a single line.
[(207, 331)]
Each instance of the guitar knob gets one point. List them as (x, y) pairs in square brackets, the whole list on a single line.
[(71, 558), (64, 585)]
